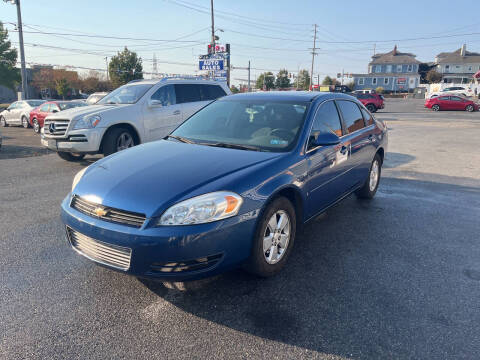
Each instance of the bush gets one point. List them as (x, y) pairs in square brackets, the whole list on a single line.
[(379, 90)]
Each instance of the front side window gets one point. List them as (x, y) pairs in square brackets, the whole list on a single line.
[(444, 98), (326, 120), (165, 95), (126, 94), (257, 124), (12, 106), (351, 115), (70, 105)]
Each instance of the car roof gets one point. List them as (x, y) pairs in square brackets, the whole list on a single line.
[(176, 80), (288, 96)]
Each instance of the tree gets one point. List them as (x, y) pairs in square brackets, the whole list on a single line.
[(423, 70), (351, 85), (62, 86), (282, 81), (330, 81), (433, 77), (124, 67), (9, 74), (267, 79), (379, 90), (94, 82), (303, 79), (234, 89)]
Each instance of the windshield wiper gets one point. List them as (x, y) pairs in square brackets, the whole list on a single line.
[(179, 138), (233, 146)]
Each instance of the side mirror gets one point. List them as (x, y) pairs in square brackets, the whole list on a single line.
[(154, 103), (325, 139), (55, 111)]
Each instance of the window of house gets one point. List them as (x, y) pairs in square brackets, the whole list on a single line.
[(351, 115), (385, 81), (389, 69), (374, 81), (399, 68), (326, 120), (379, 68), (361, 81), (410, 68), (470, 68), (447, 68)]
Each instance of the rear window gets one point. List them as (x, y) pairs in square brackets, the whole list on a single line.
[(351, 115)]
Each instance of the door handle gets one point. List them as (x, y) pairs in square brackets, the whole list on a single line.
[(343, 150), (176, 112)]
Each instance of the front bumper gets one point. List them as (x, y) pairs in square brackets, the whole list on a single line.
[(76, 141), (155, 249)]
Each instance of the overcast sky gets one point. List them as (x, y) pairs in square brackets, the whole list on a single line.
[(272, 34)]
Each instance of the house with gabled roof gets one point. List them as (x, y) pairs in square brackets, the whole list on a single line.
[(395, 71), (458, 66)]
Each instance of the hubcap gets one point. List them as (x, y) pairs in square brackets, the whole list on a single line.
[(124, 141), (374, 175), (276, 237), (36, 127), (24, 121)]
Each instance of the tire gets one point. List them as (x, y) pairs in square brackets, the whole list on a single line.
[(36, 125), (268, 237), (117, 139), (369, 188), (25, 122), (3, 122), (436, 107), (372, 108), (70, 156), (469, 108)]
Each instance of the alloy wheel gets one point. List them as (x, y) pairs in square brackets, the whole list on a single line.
[(435, 108), (374, 172), (276, 237), (124, 141), (469, 108), (36, 126), (24, 122)]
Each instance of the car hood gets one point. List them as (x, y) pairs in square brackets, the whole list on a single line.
[(82, 111), (150, 177)]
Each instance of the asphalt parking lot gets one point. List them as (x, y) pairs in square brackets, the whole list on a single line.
[(397, 277)]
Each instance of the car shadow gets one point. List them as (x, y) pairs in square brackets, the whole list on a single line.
[(356, 285), (393, 159), (15, 151)]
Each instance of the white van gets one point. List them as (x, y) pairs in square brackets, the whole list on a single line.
[(135, 113)]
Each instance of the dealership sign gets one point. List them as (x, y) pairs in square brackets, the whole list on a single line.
[(211, 64), (401, 81)]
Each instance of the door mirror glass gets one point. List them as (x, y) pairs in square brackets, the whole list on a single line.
[(54, 111), (325, 139)]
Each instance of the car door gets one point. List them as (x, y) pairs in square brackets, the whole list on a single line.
[(42, 113), (10, 111), (444, 102), (192, 97), (358, 139), (326, 164), (162, 113), (457, 103), (15, 114)]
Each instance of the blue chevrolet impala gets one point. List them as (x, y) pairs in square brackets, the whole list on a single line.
[(229, 187)]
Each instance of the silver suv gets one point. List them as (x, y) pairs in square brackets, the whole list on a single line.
[(138, 112)]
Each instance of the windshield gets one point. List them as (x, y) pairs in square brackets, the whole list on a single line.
[(260, 125), (35, 103), (126, 94), (65, 106)]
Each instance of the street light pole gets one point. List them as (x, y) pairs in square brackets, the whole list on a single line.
[(213, 27), (22, 50)]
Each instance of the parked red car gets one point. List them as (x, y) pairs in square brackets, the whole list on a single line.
[(372, 102), (451, 103), (38, 115)]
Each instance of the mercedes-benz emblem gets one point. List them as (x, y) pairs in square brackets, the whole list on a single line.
[(51, 128)]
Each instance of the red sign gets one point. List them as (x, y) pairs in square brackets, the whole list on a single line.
[(477, 75)]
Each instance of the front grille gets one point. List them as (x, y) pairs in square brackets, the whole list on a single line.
[(55, 127), (189, 265), (107, 254), (113, 215)]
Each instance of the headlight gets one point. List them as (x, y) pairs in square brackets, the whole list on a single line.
[(202, 209), (77, 177), (87, 122)]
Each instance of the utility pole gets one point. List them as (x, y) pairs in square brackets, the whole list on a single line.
[(22, 49), (313, 53), (249, 88), (213, 27), (343, 74), (106, 64)]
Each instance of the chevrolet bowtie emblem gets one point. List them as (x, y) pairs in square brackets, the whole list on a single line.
[(100, 211)]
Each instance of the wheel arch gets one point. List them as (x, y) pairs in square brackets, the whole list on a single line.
[(381, 153), (128, 126), (293, 194)]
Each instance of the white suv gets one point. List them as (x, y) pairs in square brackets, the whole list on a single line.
[(138, 112)]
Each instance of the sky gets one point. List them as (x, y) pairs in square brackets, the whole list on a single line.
[(271, 34)]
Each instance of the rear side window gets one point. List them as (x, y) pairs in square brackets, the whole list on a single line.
[(213, 92), (455, 98), (351, 115), (186, 93), (326, 120), (367, 117), (443, 98)]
